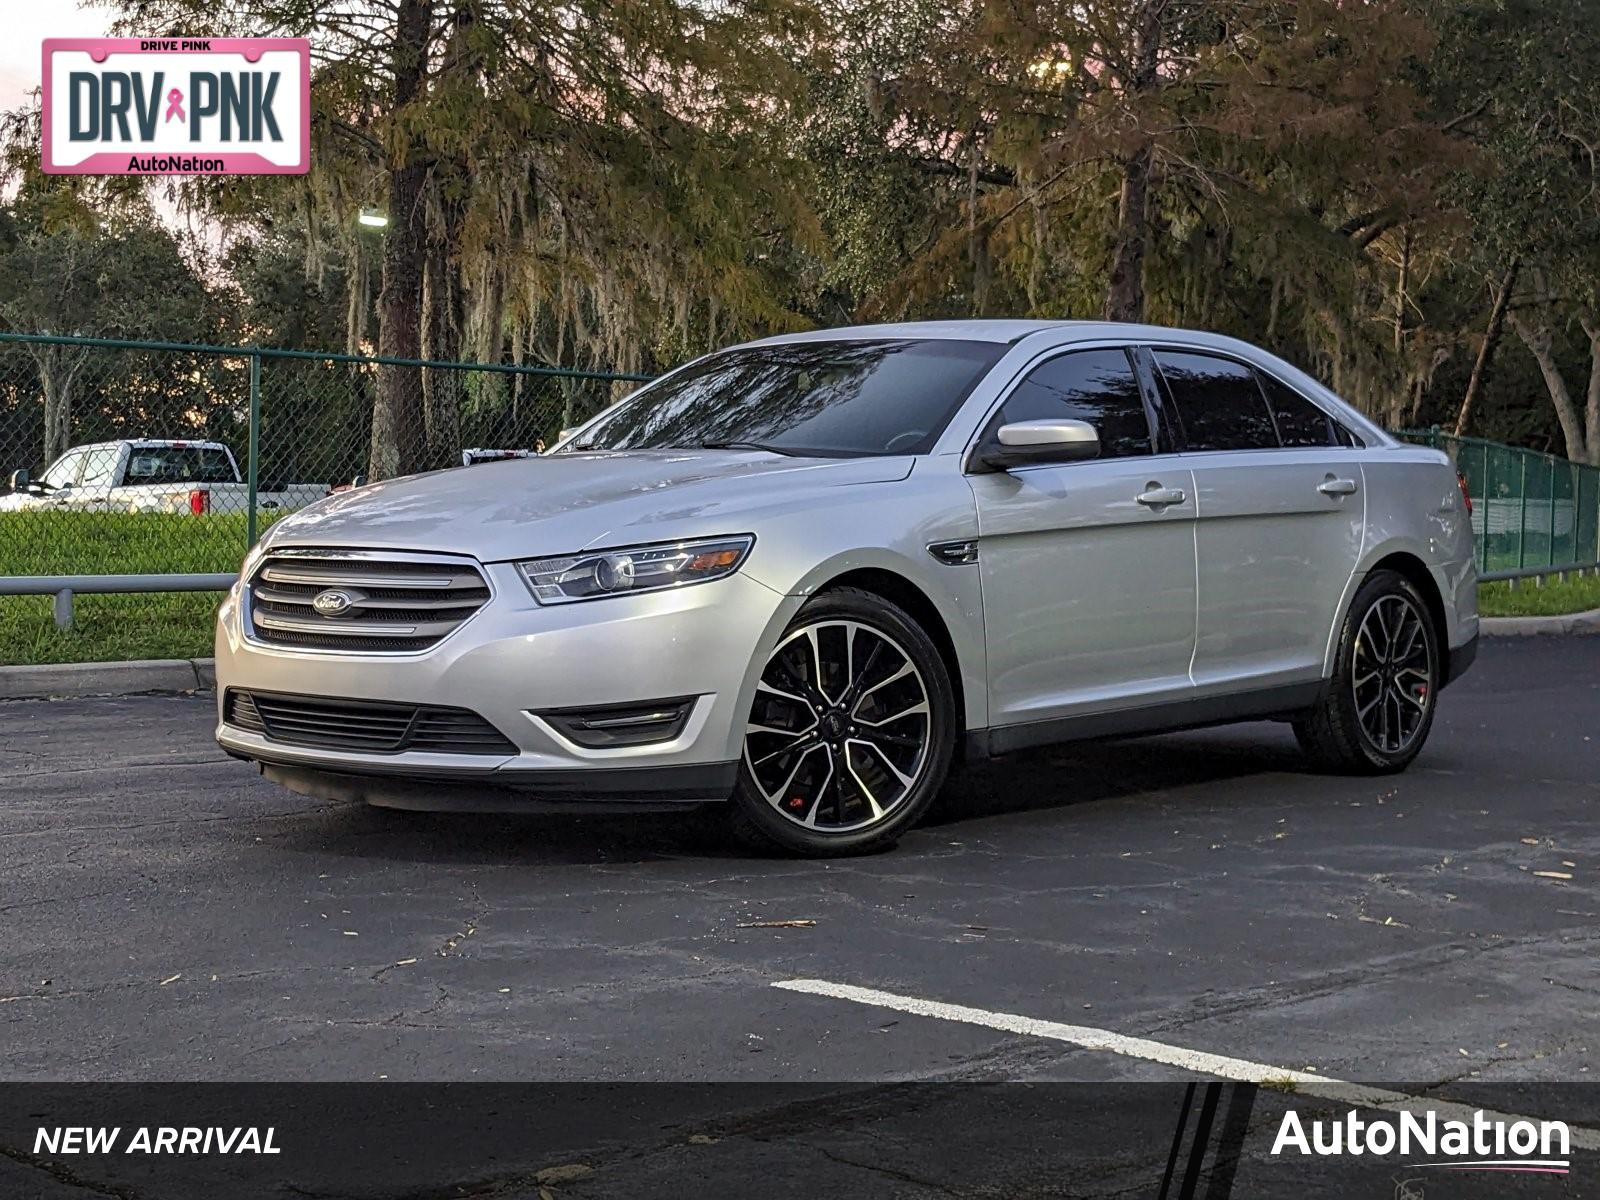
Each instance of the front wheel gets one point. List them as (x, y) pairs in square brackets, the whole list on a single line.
[(850, 731), (1377, 709)]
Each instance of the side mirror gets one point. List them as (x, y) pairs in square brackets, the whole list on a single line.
[(19, 481), (1022, 443)]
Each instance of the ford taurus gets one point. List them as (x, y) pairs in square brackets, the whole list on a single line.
[(800, 578)]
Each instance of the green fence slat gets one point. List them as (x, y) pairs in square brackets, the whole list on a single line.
[(1522, 518)]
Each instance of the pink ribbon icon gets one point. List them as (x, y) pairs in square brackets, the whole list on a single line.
[(175, 105)]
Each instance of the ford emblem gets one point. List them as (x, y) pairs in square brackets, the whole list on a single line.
[(333, 603)]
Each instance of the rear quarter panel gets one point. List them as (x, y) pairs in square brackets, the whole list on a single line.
[(1414, 506)]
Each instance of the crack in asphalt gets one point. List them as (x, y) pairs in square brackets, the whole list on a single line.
[(889, 1173)]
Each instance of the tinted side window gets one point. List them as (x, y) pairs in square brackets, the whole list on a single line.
[(1300, 422), (1097, 386), (1218, 402)]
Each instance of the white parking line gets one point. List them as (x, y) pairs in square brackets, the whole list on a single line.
[(1240, 1070)]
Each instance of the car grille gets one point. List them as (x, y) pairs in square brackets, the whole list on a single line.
[(366, 726), (370, 604)]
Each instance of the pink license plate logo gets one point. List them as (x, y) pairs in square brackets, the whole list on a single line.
[(177, 106)]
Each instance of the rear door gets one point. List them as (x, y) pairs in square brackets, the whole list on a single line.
[(1088, 567), (1280, 518)]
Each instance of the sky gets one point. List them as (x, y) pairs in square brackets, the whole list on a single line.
[(27, 24)]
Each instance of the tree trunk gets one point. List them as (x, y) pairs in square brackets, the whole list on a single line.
[(1539, 342), (444, 301), (1400, 290), (58, 372), (1419, 388), (398, 431), (1399, 400), (442, 390), (568, 396), (1491, 338), (1125, 288), (1125, 291), (1591, 407), (57, 413)]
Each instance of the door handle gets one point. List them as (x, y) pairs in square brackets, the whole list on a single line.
[(1337, 487), (1161, 497)]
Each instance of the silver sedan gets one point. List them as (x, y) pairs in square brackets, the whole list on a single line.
[(801, 577)]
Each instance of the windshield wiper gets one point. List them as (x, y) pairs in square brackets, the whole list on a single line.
[(770, 449)]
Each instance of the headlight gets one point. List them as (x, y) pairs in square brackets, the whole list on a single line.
[(595, 574)]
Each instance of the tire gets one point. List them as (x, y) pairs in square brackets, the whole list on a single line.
[(1377, 708), (850, 732)]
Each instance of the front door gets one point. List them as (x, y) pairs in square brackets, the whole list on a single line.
[(1088, 567)]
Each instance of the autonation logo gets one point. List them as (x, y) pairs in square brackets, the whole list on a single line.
[(1484, 1143)]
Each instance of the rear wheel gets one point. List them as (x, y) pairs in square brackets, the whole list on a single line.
[(850, 732), (1378, 707)]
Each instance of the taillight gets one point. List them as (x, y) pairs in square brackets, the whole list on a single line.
[(199, 501), (1466, 496)]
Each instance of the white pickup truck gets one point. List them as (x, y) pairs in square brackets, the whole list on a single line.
[(150, 476)]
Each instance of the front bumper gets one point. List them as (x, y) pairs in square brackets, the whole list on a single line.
[(546, 790), (509, 662)]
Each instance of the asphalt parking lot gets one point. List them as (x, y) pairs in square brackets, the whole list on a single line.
[(165, 914)]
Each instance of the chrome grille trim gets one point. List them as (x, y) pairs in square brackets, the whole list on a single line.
[(399, 602)]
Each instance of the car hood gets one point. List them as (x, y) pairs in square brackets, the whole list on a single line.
[(523, 508)]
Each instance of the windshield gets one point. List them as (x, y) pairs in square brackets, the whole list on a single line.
[(179, 464), (823, 398)]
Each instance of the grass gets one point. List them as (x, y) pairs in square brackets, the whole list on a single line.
[(112, 628), (108, 628), (90, 543), (178, 625), (1579, 593)]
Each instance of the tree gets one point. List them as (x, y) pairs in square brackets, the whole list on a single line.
[(575, 180), (1237, 165), (1523, 77), (125, 278)]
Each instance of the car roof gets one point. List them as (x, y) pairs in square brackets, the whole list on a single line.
[(992, 330), (1006, 331)]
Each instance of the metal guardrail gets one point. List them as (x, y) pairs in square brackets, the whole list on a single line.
[(295, 415), (63, 587), (1533, 514)]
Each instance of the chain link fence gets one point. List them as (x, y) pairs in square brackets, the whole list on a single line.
[(133, 458), (1532, 513)]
